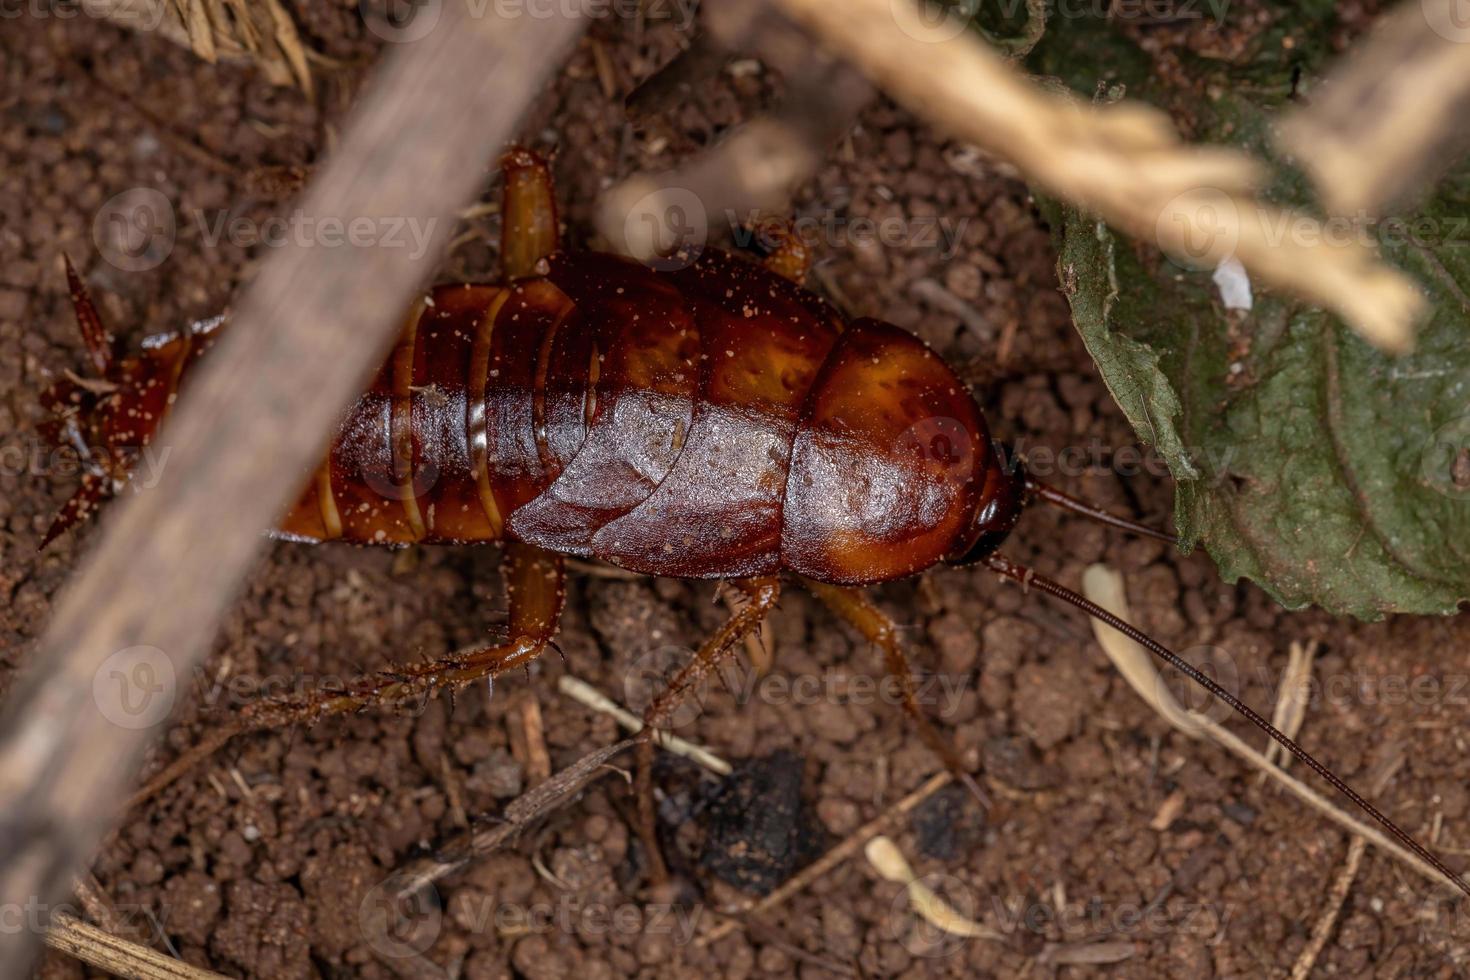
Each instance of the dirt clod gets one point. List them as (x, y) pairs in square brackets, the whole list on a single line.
[(758, 830)]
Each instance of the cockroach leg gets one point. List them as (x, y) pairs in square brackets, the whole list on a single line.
[(536, 587), (854, 607), (529, 227), (762, 593)]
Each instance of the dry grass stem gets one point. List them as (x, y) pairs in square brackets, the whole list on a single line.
[(233, 30), (118, 957), (584, 693), (1323, 929), (1124, 162), (1105, 587), (888, 861), (1291, 700), (494, 834)]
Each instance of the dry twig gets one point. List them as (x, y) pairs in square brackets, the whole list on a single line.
[(584, 693), (1124, 162), (1340, 888), (118, 957), (308, 332), (888, 861), (493, 835), (1390, 119)]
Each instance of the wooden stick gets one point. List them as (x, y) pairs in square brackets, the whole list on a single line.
[(118, 957), (257, 417)]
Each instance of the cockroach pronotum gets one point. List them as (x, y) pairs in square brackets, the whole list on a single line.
[(707, 418)]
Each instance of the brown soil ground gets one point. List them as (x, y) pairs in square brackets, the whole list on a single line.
[(261, 863)]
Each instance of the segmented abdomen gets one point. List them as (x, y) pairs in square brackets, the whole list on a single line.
[(709, 421)]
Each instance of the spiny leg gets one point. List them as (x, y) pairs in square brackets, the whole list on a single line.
[(536, 587), (529, 228), (858, 610), (762, 593)]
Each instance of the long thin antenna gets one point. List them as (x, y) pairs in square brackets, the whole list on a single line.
[(1029, 579), (1052, 495)]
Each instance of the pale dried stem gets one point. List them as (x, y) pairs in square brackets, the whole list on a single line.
[(1124, 162), (1105, 587)]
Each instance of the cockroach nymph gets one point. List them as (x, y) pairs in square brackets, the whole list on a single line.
[(708, 418)]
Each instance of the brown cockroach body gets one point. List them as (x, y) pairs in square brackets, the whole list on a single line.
[(714, 421), (709, 418)]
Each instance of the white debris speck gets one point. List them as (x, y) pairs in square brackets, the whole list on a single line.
[(1234, 284)]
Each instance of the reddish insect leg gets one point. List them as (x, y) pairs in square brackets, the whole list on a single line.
[(762, 593), (535, 585), (529, 230), (858, 610)]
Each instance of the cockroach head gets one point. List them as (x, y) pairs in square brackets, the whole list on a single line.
[(1002, 498)]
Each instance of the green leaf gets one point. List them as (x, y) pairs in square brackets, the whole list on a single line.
[(1304, 459)]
